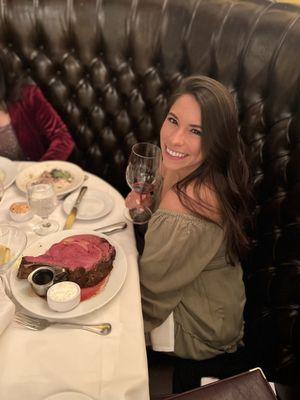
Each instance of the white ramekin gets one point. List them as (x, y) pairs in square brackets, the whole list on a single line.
[(63, 296)]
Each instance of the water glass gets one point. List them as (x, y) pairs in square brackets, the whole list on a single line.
[(1, 190), (43, 201)]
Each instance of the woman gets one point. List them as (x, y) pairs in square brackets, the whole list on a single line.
[(30, 129), (190, 269)]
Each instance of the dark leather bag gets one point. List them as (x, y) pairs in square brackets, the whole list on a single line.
[(250, 385)]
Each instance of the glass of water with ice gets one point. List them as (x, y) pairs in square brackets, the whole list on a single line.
[(43, 201)]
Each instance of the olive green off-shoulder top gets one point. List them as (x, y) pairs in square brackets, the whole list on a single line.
[(183, 270)]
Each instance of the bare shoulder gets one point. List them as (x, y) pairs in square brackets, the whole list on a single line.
[(170, 201), (208, 206)]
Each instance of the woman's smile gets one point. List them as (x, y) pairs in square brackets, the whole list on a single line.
[(174, 154)]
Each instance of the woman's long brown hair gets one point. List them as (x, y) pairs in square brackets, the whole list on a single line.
[(224, 168), (11, 82)]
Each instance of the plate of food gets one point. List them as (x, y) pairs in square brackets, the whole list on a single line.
[(64, 176), (8, 172), (94, 204), (95, 262)]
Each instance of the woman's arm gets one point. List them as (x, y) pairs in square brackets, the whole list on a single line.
[(54, 131)]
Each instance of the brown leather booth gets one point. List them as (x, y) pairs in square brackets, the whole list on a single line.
[(109, 66)]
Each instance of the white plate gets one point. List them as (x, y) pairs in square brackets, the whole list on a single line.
[(95, 204), (68, 396), (34, 171), (24, 294), (9, 169)]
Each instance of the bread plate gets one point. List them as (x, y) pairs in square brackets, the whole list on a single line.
[(95, 204)]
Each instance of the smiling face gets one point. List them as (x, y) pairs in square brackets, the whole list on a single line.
[(180, 136)]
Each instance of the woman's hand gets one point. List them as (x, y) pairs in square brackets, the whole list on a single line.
[(136, 200)]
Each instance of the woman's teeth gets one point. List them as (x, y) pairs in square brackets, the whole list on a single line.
[(175, 153)]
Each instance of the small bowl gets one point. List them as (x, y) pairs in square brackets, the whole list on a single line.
[(20, 211), (63, 296), (42, 278)]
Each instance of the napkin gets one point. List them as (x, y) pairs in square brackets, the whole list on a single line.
[(7, 308), (162, 337)]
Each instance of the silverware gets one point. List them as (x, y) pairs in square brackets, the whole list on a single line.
[(72, 214), (113, 228), (38, 324)]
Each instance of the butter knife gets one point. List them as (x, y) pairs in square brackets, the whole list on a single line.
[(112, 228), (73, 213)]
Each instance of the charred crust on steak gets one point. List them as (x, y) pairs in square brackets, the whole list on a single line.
[(91, 278)]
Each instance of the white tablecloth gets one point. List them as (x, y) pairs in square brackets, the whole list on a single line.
[(35, 365)]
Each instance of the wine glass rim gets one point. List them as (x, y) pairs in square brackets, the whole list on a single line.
[(6, 230), (47, 185), (154, 146)]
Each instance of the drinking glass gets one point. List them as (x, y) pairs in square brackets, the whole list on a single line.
[(43, 201), (143, 176), (12, 243), (1, 190)]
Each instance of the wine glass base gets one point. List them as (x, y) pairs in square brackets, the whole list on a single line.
[(52, 226), (138, 216)]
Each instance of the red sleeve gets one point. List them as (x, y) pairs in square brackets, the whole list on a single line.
[(51, 126)]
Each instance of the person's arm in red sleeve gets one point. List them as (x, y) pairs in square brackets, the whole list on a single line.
[(51, 127)]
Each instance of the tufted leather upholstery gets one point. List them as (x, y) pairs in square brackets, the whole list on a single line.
[(109, 66)]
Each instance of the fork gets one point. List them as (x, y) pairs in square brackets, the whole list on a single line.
[(38, 324)]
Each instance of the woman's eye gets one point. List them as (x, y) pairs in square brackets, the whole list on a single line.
[(196, 131), (172, 120)]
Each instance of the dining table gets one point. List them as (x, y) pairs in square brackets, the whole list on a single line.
[(59, 362)]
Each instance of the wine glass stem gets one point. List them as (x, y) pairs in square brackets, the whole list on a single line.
[(6, 284), (46, 223)]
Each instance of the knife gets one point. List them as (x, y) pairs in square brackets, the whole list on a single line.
[(72, 214), (112, 228)]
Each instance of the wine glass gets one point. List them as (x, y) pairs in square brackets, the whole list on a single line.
[(12, 243), (1, 190), (43, 201), (143, 176)]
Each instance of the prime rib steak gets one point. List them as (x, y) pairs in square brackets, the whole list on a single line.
[(87, 258)]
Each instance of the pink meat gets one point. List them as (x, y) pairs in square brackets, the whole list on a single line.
[(89, 250)]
